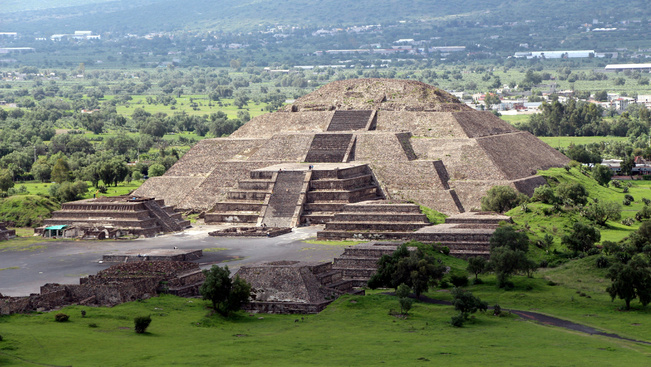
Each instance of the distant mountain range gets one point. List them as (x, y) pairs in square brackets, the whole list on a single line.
[(60, 16)]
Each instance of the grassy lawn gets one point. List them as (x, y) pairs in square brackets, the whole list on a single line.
[(513, 119), (565, 141), (40, 188), (355, 330)]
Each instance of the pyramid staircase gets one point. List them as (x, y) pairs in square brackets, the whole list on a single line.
[(331, 190), (283, 207), (330, 148), (244, 203), (351, 120)]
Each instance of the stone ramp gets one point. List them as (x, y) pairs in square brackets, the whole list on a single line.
[(350, 120), (284, 199), (329, 148)]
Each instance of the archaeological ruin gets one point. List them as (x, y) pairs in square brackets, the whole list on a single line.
[(352, 154), (111, 217)]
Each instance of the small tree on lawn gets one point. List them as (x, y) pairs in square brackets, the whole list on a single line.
[(414, 269), (630, 281), (402, 292), (227, 295), (476, 265), (509, 253), (466, 303)]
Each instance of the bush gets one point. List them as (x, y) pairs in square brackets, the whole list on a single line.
[(544, 194), (444, 284), (102, 189), (92, 325), (646, 201), (497, 310), (573, 192), (629, 197), (141, 323), (626, 202), (501, 199), (602, 262), (61, 317), (457, 321), (459, 280)]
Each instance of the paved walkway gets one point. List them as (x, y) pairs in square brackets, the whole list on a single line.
[(67, 261)]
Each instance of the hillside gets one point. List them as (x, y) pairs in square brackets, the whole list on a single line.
[(168, 15)]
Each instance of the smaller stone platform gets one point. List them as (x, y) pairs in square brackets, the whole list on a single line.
[(6, 234), (154, 255), (250, 232)]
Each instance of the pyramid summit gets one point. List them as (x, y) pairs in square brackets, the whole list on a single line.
[(352, 141)]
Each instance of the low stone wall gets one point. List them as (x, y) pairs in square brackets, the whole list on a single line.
[(250, 232), (286, 307)]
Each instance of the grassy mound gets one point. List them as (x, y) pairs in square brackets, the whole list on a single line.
[(26, 210)]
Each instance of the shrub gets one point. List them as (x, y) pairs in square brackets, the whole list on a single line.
[(61, 317), (501, 199), (544, 194), (0, 338), (141, 323), (457, 321), (629, 197), (497, 310), (459, 280), (444, 284), (102, 189), (573, 192), (628, 221), (92, 325), (616, 184), (644, 213), (626, 202), (610, 247), (646, 201), (602, 262)]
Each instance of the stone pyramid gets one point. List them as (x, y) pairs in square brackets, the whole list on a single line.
[(415, 142)]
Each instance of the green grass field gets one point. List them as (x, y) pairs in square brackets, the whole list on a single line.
[(40, 188), (355, 330), (565, 141), (183, 104)]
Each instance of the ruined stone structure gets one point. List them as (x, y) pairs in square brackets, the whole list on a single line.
[(6, 234), (352, 141), (112, 286), (293, 286), (129, 214)]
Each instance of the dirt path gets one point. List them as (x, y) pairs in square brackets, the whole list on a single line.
[(547, 320)]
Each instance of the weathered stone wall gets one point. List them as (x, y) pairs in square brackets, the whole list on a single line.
[(265, 126), (391, 150), (423, 124), (521, 154), (477, 124)]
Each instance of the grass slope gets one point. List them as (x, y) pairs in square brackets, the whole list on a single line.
[(26, 210)]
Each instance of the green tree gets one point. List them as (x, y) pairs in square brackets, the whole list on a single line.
[(602, 211), (630, 281), (602, 174), (403, 292), (466, 303), (501, 199), (41, 170), (572, 192), (155, 170), (61, 171), (626, 167), (413, 268), (226, 295), (6, 180), (508, 254), (582, 238), (476, 265)]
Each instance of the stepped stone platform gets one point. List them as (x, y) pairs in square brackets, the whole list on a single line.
[(466, 234), (126, 214), (287, 194), (293, 286), (154, 255), (418, 144)]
